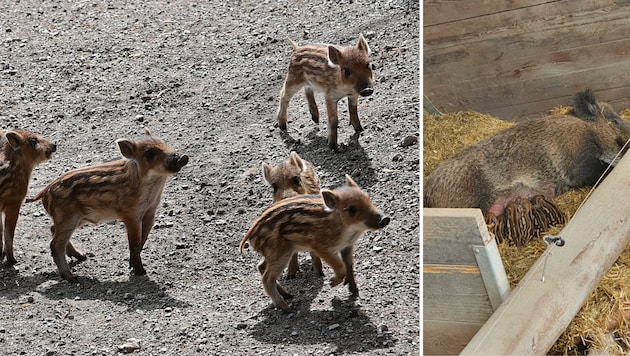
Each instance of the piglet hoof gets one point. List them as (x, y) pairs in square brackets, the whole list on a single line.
[(10, 261), (281, 304), (139, 271), (80, 258), (70, 278), (315, 119), (335, 281), (282, 127), (358, 129), (333, 146)]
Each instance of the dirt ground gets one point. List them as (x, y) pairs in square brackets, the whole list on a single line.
[(205, 76)]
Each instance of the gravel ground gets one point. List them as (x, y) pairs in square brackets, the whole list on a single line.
[(205, 77)]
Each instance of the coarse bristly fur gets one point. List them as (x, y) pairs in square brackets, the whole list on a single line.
[(328, 224), (294, 176), (338, 72), (545, 156), (128, 189), (20, 152)]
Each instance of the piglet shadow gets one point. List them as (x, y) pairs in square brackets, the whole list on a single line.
[(346, 326), (138, 292), (350, 158)]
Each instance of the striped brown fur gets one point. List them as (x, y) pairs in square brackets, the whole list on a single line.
[(339, 72), (20, 152), (128, 189), (294, 176), (328, 225)]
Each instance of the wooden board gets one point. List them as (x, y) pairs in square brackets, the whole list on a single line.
[(534, 315), (456, 301), (518, 59)]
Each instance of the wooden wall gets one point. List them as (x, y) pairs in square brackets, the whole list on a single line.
[(518, 59)]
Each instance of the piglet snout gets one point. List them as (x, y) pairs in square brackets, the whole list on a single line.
[(176, 162), (383, 222), (366, 91)]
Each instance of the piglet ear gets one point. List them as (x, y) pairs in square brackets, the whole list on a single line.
[(14, 139), (266, 172), (363, 45), (330, 199), (334, 56), (296, 160), (127, 147), (351, 183)]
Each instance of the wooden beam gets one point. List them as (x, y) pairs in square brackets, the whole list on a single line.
[(534, 315)]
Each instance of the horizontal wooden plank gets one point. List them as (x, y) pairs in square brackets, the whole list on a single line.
[(528, 64), (429, 268), (446, 338), (440, 12), (449, 234), (455, 297)]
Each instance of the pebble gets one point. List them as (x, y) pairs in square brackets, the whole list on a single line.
[(409, 141), (130, 345), (333, 326)]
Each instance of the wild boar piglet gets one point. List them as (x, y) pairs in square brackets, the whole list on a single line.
[(20, 152), (338, 72), (128, 189), (328, 224), (294, 176)]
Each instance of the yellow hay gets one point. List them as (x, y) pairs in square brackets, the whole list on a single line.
[(602, 323)]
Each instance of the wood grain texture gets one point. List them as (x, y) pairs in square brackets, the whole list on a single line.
[(455, 300), (516, 60)]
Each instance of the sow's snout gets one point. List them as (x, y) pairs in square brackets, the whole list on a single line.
[(175, 162)]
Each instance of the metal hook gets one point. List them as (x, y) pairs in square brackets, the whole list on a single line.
[(556, 240)]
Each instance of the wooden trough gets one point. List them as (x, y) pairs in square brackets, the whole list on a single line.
[(536, 312), (516, 59)]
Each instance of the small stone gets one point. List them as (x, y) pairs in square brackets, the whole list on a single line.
[(409, 141), (130, 345), (241, 326), (333, 326)]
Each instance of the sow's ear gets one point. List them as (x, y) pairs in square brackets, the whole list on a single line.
[(585, 105), (127, 148)]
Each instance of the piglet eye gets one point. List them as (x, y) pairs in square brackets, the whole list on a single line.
[(274, 186), (347, 72), (297, 180), (34, 142), (150, 155), (352, 210)]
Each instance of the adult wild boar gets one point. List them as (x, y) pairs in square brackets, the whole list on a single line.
[(545, 156)]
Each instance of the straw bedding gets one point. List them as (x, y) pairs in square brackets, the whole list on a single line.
[(601, 324)]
